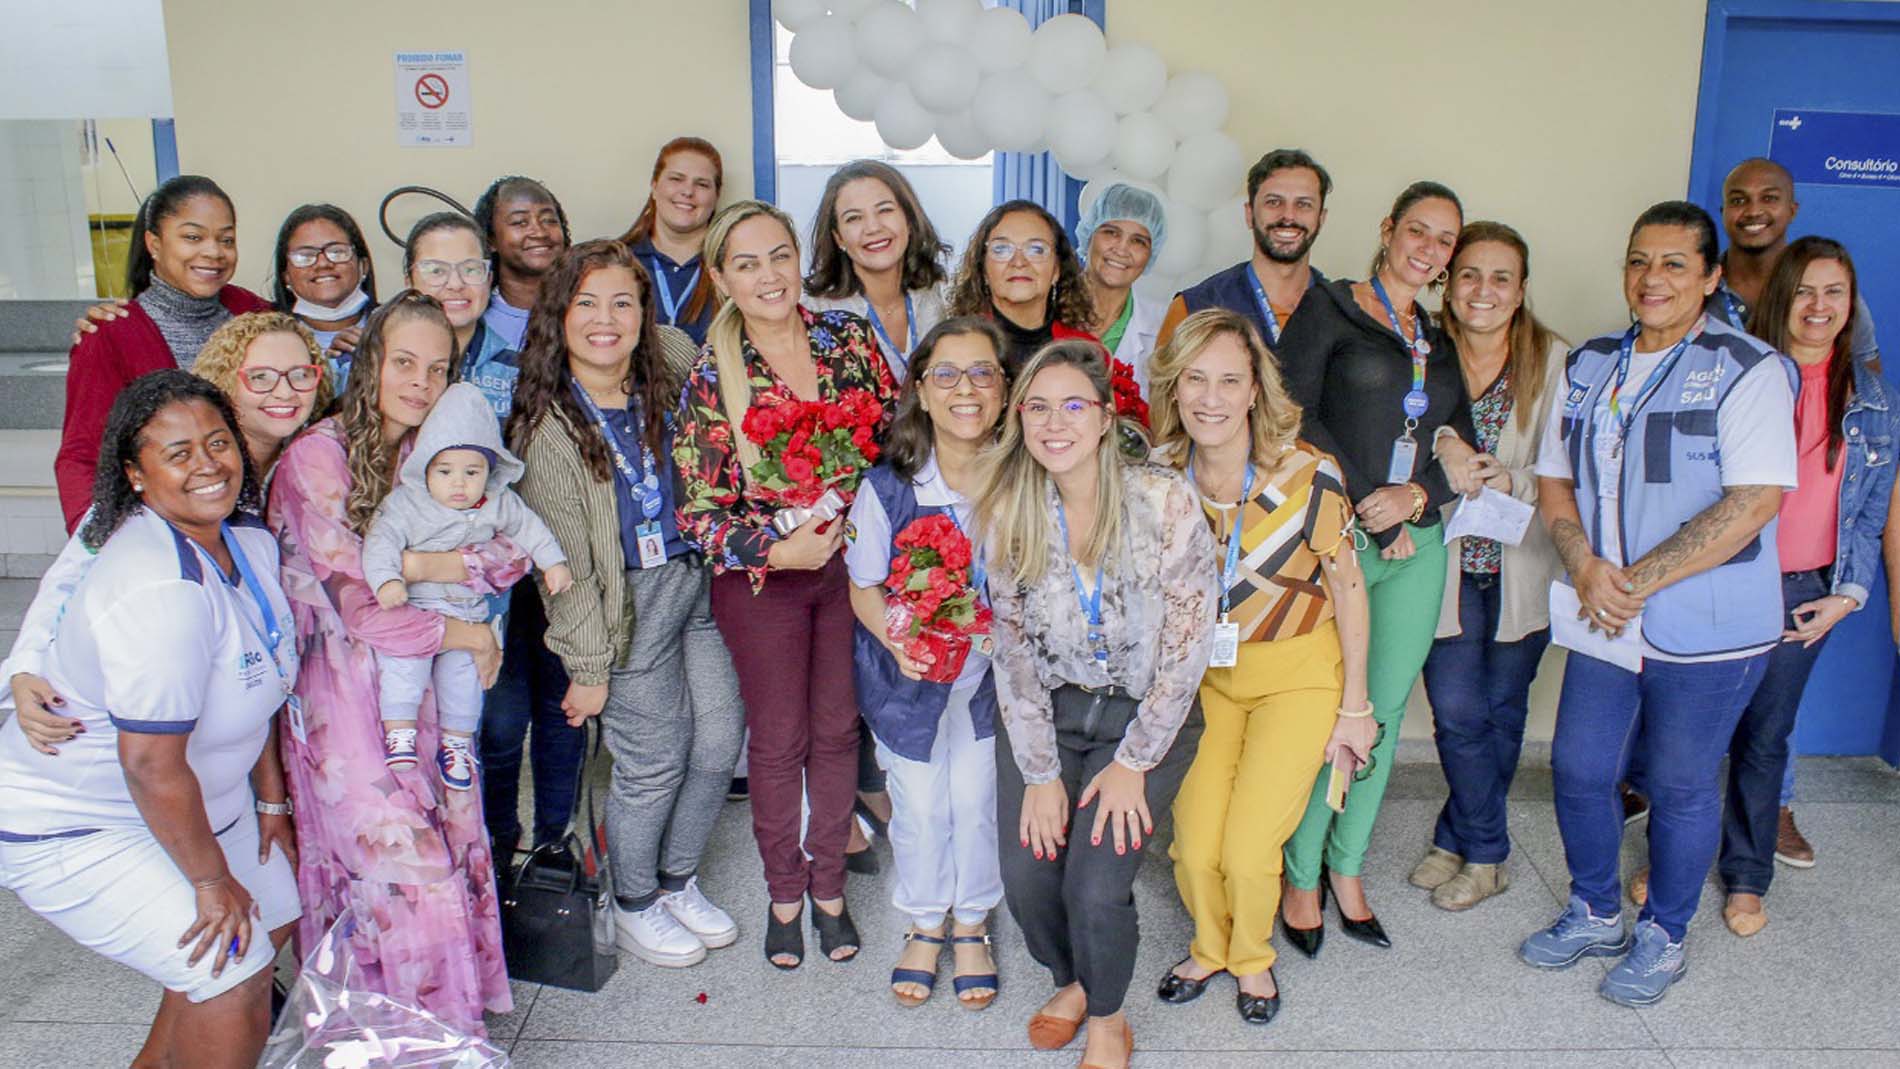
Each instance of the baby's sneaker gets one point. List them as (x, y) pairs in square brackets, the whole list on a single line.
[(399, 747), (456, 759)]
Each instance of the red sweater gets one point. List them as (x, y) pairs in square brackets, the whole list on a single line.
[(100, 366)]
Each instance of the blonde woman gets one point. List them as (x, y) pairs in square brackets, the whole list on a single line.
[(1101, 577), (782, 602), (1286, 691)]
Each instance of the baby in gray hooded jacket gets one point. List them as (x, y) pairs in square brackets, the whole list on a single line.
[(454, 493)]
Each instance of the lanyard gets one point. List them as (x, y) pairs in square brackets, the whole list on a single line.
[(977, 572), (1091, 603), (647, 485), (910, 330), (665, 292), (1623, 357), (1415, 401), (1232, 567), (1266, 306), (1737, 312), (270, 634)]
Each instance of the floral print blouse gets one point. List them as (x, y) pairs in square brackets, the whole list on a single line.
[(1489, 413), (1159, 600), (718, 508)]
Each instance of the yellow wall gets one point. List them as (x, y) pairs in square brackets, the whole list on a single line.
[(286, 103)]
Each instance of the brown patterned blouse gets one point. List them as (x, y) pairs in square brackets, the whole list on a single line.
[(1293, 522)]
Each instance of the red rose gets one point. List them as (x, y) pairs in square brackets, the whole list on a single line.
[(798, 469)]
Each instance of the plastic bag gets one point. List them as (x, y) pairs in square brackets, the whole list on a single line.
[(333, 1021)]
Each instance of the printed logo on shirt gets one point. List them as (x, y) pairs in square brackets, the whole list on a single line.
[(251, 669), (1573, 404), (1699, 386), (850, 532)]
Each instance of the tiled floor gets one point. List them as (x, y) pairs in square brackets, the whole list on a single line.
[(1818, 987)]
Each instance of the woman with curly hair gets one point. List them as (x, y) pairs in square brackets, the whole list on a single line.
[(1020, 269), (408, 857)]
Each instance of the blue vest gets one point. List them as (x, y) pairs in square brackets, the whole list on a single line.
[(1672, 471), (493, 368), (904, 712), (1230, 289)]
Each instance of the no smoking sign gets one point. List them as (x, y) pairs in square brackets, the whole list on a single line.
[(432, 99), (432, 91)]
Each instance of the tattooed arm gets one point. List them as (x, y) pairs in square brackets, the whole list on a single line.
[(1711, 538), (1607, 593)]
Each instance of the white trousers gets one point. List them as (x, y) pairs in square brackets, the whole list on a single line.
[(943, 823)]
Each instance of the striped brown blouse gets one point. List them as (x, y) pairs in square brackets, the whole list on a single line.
[(1298, 518)]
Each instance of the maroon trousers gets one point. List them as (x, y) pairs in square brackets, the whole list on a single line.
[(791, 645)]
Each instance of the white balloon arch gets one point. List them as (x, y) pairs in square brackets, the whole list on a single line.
[(980, 80)]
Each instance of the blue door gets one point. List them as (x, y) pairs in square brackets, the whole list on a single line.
[(1834, 65)]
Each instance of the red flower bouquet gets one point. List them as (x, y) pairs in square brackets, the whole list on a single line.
[(1128, 400), (812, 453), (933, 611)]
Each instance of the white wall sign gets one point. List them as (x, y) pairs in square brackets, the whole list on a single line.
[(432, 101)]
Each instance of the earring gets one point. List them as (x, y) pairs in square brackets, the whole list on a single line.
[(138, 488)]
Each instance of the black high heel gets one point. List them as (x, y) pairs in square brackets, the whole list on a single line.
[(1368, 931), (879, 826), (862, 862), (836, 932), (783, 938), (1307, 940)]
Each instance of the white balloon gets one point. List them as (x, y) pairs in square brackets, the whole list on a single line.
[(888, 37), (1081, 130), (795, 15), (1132, 78), (901, 121), (1067, 52), (1144, 146), (1208, 168), (1228, 239), (1157, 288), (1193, 103), (961, 137), (850, 10), (1011, 109), (1187, 239), (1096, 185), (943, 78), (999, 39), (949, 21), (822, 54), (860, 95)]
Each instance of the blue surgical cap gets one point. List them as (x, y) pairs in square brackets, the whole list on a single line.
[(1123, 201)]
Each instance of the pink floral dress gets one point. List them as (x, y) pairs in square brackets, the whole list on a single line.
[(409, 858)]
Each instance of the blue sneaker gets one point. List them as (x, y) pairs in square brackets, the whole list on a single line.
[(1574, 936), (456, 759), (1642, 978)]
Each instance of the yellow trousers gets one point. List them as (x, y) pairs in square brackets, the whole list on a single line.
[(1268, 719)]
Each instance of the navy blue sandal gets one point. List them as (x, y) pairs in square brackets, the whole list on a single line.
[(926, 980), (984, 984)]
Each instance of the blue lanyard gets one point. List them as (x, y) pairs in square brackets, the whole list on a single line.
[(910, 330), (665, 292), (1415, 401), (1266, 307), (1624, 355), (271, 635), (1737, 312), (1232, 567), (1091, 603), (646, 485)]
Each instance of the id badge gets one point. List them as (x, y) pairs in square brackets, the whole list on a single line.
[(1404, 455), (293, 711), (652, 544), (1226, 645)]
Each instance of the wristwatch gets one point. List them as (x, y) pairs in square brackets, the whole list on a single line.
[(274, 809)]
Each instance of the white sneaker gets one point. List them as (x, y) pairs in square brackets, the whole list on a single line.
[(655, 937), (690, 906)]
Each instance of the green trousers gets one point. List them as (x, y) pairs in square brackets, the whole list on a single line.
[(1405, 597)]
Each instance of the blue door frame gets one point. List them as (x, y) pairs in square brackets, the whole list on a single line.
[(1852, 704)]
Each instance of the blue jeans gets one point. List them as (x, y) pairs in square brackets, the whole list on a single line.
[(1480, 692), (1758, 757), (1680, 718), (528, 695)]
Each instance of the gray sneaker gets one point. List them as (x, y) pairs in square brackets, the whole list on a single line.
[(1575, 935), (1644, 977)]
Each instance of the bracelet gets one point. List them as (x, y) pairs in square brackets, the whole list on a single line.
[(274, 809), (1360, 714), (1418, 503)]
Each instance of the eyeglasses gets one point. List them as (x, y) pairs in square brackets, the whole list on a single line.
[(1037, 413), (1034, 251), (303, 378), (1361, 773), (337, 252), (434, 274), (982, 376)]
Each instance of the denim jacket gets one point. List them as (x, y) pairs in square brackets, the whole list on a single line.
[(1871, 429)]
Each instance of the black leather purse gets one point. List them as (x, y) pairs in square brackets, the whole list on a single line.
[(557, 921)]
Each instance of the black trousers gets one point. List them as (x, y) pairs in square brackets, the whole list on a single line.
[(1077, 913)]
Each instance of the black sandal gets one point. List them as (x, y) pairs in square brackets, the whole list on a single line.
[(784, 938), (835, 932)]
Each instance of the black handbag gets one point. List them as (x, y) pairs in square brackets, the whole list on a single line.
[(557, 919)]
